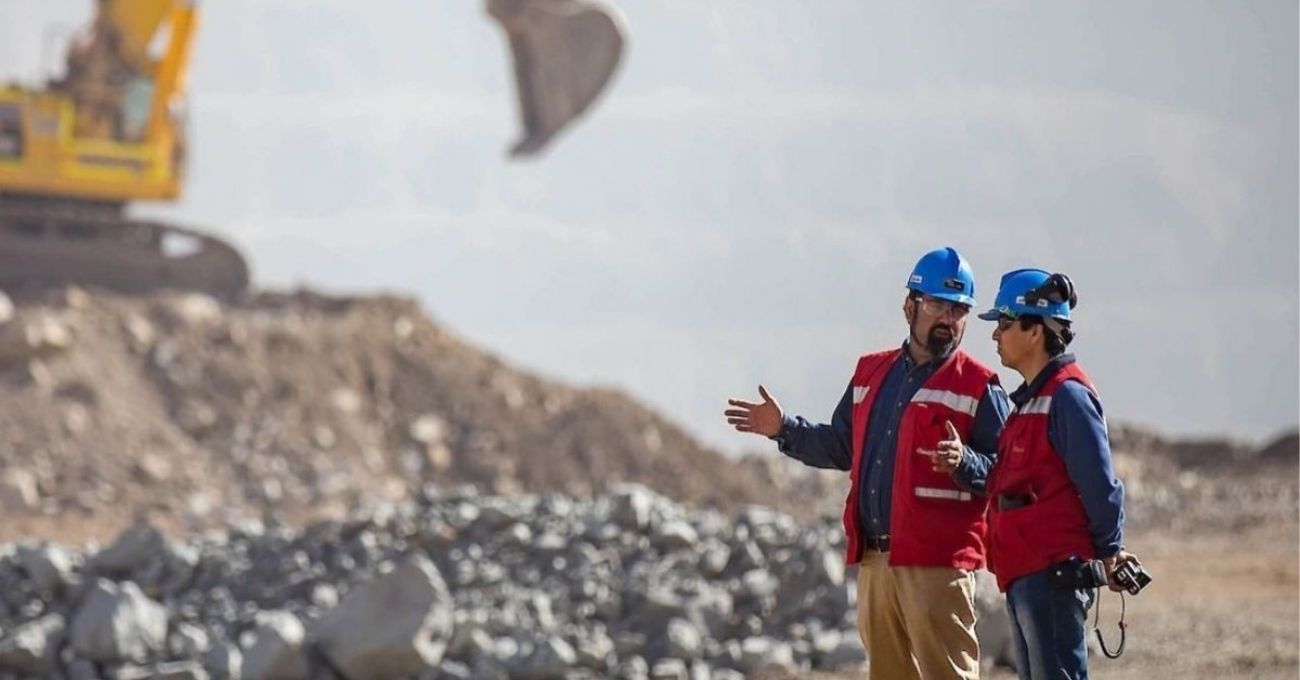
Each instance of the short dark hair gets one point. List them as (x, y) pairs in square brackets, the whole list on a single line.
[(1055, 343)]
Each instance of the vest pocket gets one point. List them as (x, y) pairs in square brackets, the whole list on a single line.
[(1008, 548)]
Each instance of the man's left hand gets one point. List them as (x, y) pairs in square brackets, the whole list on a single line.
[(950, 451), (1114, 561)]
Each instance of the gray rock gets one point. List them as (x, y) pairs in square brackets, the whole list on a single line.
[(656, 609), (684, 640), (631, 506), (81, 669), (224, 661), (187, 641), (544, 587), (277, 650), (766, 654), (834, 648), (633, 668), (828, 567), (180, 670), (756, 592), (132, 550), (675, 535), (669, 669), (595, 649), (552, 659), (128, 671), (143, 554), (27, 648), (992, 623), (118, 623), (49, 566), (393, 626)]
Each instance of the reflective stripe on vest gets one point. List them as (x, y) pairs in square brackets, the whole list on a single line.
[(1036, 406), (951, 494), (954, 401)]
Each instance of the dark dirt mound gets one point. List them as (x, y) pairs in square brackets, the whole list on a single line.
[(184, 407)]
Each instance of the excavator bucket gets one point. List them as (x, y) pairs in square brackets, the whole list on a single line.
[(564, 53)]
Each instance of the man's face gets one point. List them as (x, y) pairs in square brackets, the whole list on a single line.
[(937, 324), (1014, 343)]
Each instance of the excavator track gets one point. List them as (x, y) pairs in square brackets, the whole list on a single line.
[(50, 243)]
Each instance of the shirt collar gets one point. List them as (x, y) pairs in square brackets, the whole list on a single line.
[(909, 362), (1026, 391)]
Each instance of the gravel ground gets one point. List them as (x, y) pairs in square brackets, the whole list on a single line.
[(1223, 605)]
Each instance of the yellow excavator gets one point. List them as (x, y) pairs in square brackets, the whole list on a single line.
[(111, 130)]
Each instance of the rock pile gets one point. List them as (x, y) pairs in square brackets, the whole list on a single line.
[(1199, 485), (454, 585), (177, 406)]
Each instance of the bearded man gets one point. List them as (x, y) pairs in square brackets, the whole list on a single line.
[(914, 517)]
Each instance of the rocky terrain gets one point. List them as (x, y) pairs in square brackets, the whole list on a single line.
[(455, 585), (188, 411), (260, 469)]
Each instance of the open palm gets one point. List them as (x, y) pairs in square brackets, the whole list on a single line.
[(763, 417)]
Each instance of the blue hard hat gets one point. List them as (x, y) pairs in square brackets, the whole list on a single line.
[(943, 273), (1023, 291)]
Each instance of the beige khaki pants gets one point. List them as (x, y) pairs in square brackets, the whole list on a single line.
[(917, 623)]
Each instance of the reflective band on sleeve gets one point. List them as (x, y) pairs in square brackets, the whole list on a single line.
[(950, 494), (954, 401), (1036, 406), (859, 393)]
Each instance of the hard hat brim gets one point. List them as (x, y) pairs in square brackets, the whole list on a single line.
[(952, 297)]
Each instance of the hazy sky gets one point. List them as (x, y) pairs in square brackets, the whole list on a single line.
[(746, 202)]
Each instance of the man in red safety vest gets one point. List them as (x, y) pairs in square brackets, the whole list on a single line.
[(913, 521)]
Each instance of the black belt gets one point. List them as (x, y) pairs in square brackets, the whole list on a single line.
[(876, 543)]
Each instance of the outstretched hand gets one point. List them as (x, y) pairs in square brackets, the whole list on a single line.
[(763, 417), (948, 456)]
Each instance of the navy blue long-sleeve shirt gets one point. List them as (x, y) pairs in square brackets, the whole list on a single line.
[(1076, 428), (830, 445)]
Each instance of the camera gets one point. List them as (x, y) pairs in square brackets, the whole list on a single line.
[(1132, 577), (1076, 573)]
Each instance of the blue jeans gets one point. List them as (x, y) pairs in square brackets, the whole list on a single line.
[(1047, 629)]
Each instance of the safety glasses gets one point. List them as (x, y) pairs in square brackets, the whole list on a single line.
[(936, 307)]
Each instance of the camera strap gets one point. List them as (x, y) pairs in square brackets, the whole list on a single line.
[(1123, 629)]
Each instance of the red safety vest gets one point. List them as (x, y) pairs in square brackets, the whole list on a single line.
[(1053, 526), (933, 522)]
